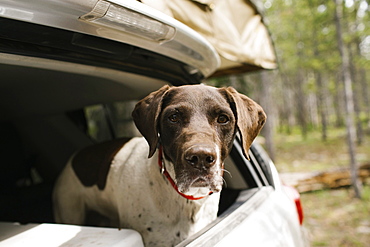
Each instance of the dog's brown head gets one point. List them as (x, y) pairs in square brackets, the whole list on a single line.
[(196, 126)]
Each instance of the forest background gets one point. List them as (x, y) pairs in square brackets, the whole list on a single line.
[(306, 94), (305, 100)]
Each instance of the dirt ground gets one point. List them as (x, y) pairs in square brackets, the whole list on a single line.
[(334, 218)]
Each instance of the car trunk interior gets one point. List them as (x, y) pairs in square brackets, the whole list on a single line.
[(35, 150), (45, 116)]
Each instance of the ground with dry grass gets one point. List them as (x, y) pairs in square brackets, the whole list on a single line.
[(332, 217)]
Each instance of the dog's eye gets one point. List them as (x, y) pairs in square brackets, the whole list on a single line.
[(174, 118), (222, 119)]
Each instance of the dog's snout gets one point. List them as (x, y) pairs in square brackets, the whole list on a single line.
[(200, 157)]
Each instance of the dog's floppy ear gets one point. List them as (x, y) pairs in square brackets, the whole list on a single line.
[(250, 117), (146, 114)]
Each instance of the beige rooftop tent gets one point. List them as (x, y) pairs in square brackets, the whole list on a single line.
[(234, 27)]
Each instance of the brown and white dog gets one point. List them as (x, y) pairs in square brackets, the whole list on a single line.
[(168, 196)]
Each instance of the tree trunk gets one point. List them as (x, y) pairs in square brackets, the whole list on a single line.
[(321, 89), (338, 102), (366, 96), (286, 113), (356, 97), (300, 101), (364, 88), (321, 105), (266, 103), (348, 95)]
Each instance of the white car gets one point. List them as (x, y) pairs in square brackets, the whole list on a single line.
[(69, 72)]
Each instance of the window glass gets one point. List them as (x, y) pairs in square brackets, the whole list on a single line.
[(97, 123), (120, 113), (263, 160), (109, 121)]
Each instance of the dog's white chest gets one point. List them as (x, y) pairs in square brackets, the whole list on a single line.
[(148, 203)]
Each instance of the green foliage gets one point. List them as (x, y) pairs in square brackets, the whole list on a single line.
[(300, 27), (305, 38)]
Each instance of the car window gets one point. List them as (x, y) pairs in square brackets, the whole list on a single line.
[(98, 125), (261, 158), (109, 121), (120, 114)]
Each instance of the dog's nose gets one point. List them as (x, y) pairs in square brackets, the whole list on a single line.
[(200, 157)]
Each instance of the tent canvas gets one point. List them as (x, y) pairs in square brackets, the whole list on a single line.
[(234, 27)]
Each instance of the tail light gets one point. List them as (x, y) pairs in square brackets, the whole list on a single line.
[(295, 196)]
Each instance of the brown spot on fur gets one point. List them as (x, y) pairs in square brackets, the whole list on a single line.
[(92, 163)]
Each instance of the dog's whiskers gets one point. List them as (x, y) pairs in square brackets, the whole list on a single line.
[(224, 170), (224, 181)]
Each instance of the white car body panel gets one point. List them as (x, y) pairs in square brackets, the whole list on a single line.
[(265, 226), (53, 235)]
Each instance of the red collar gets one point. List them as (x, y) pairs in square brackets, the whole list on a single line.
[(168, 176)]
